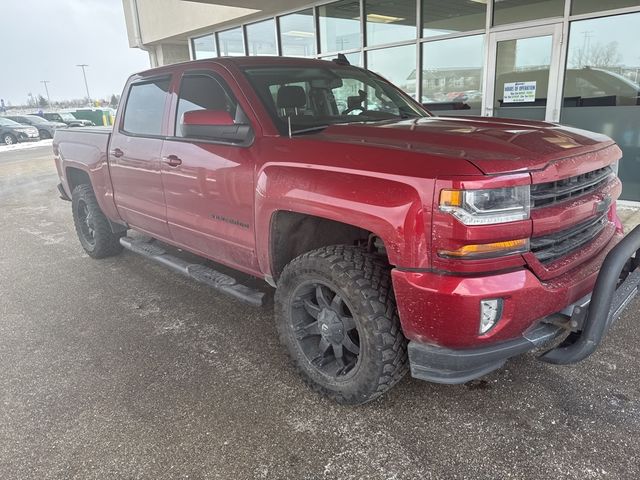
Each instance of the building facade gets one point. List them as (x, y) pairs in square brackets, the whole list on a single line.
[(575, 62)]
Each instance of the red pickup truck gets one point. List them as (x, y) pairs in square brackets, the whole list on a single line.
[(394, 238)]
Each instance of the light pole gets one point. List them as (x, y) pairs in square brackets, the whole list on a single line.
[(46, 89), (84, 74)]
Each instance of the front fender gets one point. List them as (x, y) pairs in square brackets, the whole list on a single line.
[(396, 209)]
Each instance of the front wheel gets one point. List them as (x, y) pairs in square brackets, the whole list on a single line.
[(44, 135), (336, 315), (92, 226), (9, 139)]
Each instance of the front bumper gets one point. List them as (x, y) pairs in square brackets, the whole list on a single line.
[(618, 281)]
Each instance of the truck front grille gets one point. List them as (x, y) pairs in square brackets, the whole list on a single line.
[(556, 245), (546, 194)]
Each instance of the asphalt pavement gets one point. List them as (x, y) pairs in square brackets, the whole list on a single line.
[(120, 369)]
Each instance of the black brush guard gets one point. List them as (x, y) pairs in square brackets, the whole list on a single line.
[(577, 335), (616, 285)]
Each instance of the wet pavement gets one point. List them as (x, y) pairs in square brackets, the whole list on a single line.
[(121, 369)]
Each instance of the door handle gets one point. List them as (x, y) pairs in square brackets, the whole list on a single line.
[(116, 152), (172, 160)]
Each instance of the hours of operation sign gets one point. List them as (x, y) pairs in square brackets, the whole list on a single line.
[(517, 92)]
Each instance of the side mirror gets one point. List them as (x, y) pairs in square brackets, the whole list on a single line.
[(214, 125)]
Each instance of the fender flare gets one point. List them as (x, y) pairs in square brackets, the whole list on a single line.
[(390, 207), (98, 172)]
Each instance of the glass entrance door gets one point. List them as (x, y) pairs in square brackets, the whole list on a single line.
[(523, 74)]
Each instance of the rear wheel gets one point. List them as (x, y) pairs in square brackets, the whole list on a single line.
[(337, 317), (92, 227), (44, 135), (9, 139)]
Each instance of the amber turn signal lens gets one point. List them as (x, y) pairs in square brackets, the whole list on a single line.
[(450, 198), (487, 250)]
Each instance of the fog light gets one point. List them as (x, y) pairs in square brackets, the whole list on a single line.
[(490, 313)]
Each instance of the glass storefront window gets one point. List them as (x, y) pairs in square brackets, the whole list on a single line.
[(390, 21), (396, 64), (589, 6), (602, 87), (261, 38), (339, 26), (441, 18), (297, 34), (231, 43), (452, 75), (204, 47), (511, 11)]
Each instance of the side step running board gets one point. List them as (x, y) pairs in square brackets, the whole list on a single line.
[(203, 274)]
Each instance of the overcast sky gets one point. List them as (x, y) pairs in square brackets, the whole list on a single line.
[(45, 39)]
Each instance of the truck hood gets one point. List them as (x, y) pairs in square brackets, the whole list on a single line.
[(493, 145)]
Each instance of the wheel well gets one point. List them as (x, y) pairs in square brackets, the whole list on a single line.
[(76, 177), (293, 233)]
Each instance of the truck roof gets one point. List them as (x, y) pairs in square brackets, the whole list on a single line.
[(255, 61)]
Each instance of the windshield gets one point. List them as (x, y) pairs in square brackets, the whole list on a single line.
[(316, 97), (5, 122), (67, 117), (35, 119)]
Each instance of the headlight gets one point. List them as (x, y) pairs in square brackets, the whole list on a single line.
[(486, 207)]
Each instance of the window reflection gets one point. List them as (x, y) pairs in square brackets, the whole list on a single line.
[(231, 43), (204, 47), (452, 75), (602, 87), (390, 21), (297, 34), (261, 38), (603, 63), (511, 11), (440, 18), (339, 26), (396, 64)]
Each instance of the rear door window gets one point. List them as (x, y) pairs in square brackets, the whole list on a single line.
[(145, 107)]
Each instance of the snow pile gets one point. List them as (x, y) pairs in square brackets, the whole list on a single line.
[(24, 146)]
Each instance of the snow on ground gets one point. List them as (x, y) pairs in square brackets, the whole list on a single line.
[(24, 146)]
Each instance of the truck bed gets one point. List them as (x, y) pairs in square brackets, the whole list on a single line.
[(84, 148)]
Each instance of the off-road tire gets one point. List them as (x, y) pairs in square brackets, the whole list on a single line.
[(364, 281), (105, 243)]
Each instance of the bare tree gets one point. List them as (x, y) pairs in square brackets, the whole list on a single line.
[(599, 55)]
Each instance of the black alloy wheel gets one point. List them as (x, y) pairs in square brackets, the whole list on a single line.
[(336, 315), (92, 226), (86, 224), (325, 329)]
